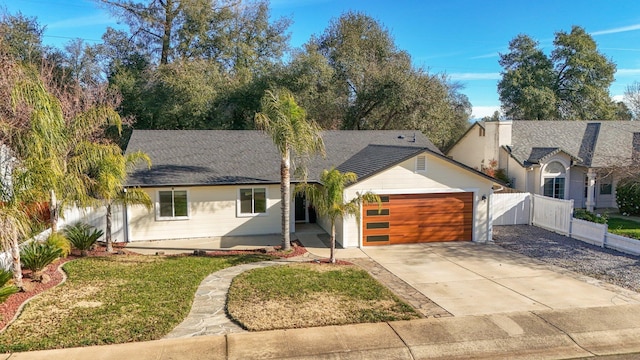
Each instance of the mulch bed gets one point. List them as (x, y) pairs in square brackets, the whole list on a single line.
[(10, 307), (297, 249), (13, 304)]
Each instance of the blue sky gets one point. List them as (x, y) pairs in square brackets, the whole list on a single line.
[(461, 38)]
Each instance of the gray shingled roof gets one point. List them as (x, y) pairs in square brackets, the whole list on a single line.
[(219, 157), (596, 143)]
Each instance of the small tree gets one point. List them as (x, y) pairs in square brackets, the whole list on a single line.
[(287, 124), (107, 177), (328, 199)]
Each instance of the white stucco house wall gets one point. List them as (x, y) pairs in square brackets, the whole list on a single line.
[(579, 160), (214, 183)]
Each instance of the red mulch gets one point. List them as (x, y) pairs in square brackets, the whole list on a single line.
[(326, 261), (10, 307), (297, 249)]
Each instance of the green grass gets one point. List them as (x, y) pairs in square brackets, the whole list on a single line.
[(114, 299), (624, 227), (304, 295)]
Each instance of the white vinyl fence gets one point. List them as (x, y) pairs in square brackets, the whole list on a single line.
[(511, 208), (96, 218), (92, 216), (552, 214), (557, 215)]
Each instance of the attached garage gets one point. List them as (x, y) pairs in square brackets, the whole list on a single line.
[(416, 218)]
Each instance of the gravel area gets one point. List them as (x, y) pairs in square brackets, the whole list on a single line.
[(603, 264)]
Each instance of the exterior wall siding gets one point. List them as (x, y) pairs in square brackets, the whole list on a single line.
[(466, 149), (441, 176), (212, 212)]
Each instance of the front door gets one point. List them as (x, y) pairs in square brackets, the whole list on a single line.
[(300, 208)]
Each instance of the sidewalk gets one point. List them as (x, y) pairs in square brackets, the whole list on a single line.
[(555, 334)]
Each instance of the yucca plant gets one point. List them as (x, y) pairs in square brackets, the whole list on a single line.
[(36, 256), (59, 241), (82, 236), (6, 290)]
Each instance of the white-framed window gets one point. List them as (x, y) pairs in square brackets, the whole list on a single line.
[(252, 201), (554, 180), (421, 164), (172, 205), (606, 188)]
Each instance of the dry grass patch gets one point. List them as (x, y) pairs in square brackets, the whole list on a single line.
[(114, 299), (306, 295)]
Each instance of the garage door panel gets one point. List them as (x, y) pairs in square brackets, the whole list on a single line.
[(414, 218)]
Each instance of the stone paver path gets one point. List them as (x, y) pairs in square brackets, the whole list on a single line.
[(208, 315)]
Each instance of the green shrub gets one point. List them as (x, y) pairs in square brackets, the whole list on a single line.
[(35, 256), (501, 174), (628, 197), (6, 290), (589, 216), (59, 241), (82, 236)]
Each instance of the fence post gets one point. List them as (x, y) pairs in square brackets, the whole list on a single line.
[(531, 208), (571, 219)]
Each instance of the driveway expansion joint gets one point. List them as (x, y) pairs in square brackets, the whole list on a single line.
[(564, 332)]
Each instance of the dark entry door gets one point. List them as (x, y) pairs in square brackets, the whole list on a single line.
[(301, 214)]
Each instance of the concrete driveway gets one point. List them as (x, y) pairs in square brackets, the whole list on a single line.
[(478, 279)]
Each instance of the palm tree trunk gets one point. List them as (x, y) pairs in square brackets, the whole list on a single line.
[(332, 256), (285, 189), (108, 229), (17, 268)]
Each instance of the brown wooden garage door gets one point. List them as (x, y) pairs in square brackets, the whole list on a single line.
[(414, 218)]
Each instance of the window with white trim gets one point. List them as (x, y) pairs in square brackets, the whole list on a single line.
[(252, 201), (554, 180), (172, 204), (421, 164)]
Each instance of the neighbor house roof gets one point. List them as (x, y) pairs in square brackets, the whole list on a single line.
[(222, 157), (589, 143)]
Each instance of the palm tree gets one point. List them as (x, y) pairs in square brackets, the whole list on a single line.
[(328, 199), (31, 141), (106, 178), (287, 124), (45, 143), (14, 226)]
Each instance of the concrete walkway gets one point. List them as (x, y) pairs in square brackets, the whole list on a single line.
[(549, 334)]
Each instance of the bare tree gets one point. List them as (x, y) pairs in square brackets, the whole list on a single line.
[(632, 99)]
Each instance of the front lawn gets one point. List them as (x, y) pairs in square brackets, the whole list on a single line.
[(305, 295), (114, 299), (624, 227)]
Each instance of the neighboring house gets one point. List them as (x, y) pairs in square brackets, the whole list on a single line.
[(562, 159), (222, 183)]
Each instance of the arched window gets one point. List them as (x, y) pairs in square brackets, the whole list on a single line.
[(554, 179)]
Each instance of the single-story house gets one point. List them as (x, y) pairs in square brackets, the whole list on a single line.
[(562, 159), (208, 183)]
